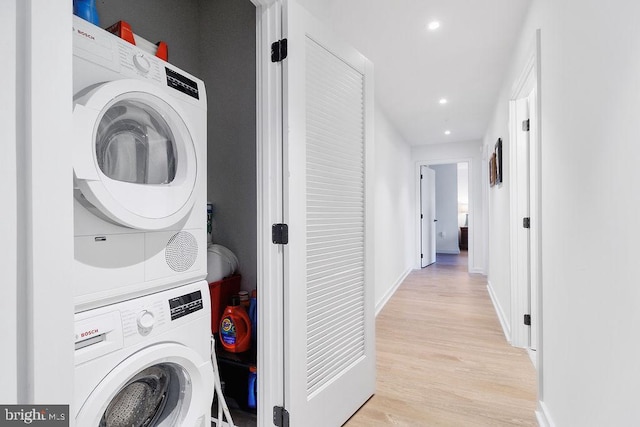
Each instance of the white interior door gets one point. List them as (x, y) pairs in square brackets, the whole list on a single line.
[(428, 215), (329, 289)]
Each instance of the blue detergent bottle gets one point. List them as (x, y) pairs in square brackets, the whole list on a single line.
[(86, 9), (253, 315), (252, 395)]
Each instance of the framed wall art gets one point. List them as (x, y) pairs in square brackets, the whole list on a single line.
[(498, 154), (493, 170)]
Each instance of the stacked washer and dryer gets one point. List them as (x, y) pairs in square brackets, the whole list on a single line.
[(142, 308)]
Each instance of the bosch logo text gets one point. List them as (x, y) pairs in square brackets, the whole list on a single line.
[(88, 333), (85, 34)]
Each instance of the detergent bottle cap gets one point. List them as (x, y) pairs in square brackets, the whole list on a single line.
[(235, 300)]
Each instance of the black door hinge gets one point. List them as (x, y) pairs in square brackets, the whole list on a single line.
[(527, 319), (526, 125), (280, 234), (421, 256), (280, 416), (526, 222), (278, 50)]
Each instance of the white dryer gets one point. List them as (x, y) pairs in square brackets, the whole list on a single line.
[(145, 361), (139, 171)]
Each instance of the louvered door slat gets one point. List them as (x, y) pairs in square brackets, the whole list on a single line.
[(335, 216)]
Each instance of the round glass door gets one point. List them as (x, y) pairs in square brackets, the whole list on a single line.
[(162, 385), (153, 397), (135, 158), (135, 144)]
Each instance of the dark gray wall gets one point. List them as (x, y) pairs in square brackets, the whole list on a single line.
[(228, 66), (172, 21)]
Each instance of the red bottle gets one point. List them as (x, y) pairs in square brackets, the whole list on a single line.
[(235, 328)]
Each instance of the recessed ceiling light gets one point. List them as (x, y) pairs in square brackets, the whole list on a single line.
[(443, 101), (447, 132), (434, 25)]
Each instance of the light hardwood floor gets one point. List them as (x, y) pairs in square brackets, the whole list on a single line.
[(442, 359)]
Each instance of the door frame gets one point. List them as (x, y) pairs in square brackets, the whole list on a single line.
[(270, 257), (528, 80), (472, 208)]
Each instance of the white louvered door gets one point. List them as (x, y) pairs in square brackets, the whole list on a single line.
[(329, 288)]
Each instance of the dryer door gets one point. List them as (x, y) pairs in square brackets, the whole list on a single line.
[(134, 157), (160, 386)]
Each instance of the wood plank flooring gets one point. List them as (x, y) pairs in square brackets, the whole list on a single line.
[(442, 359)]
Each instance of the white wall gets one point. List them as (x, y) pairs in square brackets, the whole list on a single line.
[(37, 215), (394, 203), (447, 230), (9, 213), (470, 151), (590, 106), (498, 203)]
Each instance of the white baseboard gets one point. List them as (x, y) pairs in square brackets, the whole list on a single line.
[(533, 356), (543, 416), (504, 322), (387, 296), (477, 271)]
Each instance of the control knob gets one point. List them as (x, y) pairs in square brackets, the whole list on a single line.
[(146, 320), (141, 62)]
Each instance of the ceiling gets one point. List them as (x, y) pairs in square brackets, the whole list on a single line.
[(464, 61)]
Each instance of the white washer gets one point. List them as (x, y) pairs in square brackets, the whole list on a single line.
[(139, 171), (146, 361)]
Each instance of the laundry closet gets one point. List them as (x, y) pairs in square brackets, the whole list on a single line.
[(289, 155), (215, 40)]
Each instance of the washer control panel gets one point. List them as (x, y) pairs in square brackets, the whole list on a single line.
[(185, 304), (106, 329)]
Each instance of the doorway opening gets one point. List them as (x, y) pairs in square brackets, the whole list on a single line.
[(444, 213)]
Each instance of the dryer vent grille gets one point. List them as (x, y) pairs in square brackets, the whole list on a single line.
[(181, 251)]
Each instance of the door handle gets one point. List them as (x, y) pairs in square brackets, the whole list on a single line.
[(435, 220)]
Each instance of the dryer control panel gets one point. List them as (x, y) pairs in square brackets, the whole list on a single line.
[(115, 55)]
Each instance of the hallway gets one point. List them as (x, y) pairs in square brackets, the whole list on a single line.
[(442, 359)]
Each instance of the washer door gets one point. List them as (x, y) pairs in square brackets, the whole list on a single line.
[(158, 386), (134, 158)]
